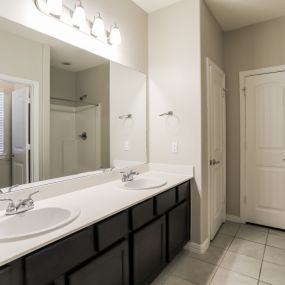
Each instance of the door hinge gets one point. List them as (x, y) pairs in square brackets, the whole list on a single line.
[(29, 147), (245, 199), (211, 162), (244, 91)]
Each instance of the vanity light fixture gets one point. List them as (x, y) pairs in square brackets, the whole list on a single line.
[(77, 18), (115, 36), (98, 28), (54, 7)]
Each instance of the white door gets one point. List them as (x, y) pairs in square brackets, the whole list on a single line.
[(20, 136), (216, 146), (265, 149)]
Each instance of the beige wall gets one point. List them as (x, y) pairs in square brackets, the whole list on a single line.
[(175, 84), (253, 47), (212, 47), (127, 96), (26, 59), (95, 83), (5, 164), (62, 84)]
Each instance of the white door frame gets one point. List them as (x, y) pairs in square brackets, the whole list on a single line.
[(209, 62), (36, 102), (242, 77)]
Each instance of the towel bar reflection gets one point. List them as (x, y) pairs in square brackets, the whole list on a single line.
[(128, 116), (169, 113)]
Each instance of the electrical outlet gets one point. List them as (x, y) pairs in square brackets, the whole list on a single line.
[(174, 147)]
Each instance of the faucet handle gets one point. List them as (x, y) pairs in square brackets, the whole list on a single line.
[(11, 206)]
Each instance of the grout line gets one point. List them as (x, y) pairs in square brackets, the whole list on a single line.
[(226, 251), (263, 257)]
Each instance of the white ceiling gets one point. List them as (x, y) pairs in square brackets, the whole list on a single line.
[(79, 59), (234, 14), (153, 5)]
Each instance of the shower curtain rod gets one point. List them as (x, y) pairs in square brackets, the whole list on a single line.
[(70, 100)]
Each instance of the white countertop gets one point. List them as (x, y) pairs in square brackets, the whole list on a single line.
[(96, 204)]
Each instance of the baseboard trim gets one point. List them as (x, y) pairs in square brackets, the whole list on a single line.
[(235, 219), (199, 248)]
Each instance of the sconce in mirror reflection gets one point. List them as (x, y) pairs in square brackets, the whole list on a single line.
[(128, 116)]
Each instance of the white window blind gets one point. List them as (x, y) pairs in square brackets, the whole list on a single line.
[(2, 130)]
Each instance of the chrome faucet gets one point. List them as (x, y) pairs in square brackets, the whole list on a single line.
[(129, 176), (23, 205)]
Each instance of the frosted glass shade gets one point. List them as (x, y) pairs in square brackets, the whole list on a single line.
[(98, 29), (115, 36), (54, 7), (79, 16)]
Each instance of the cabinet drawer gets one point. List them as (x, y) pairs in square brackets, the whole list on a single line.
[(142, 213), (165, 201), (51, 262), (112, 230), (109, 269), (183, 191)]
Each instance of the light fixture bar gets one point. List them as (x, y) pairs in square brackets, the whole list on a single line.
[(77, 18)]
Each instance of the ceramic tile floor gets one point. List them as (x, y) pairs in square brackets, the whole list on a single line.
[(239, 255)]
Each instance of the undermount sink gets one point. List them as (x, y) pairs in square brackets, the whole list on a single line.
[(143, 183), (35, 222)]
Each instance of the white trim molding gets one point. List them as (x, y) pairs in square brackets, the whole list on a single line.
[(235, 219), (242, 82), (35, 118), (198, 248)]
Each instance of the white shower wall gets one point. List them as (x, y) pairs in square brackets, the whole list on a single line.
[(69, 153)]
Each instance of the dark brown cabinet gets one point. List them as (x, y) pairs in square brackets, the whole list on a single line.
[(111, 268), (178, 229), (149, 252), (50, 263), (129, 248), (12, 274)]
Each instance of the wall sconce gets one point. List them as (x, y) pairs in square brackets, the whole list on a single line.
[(77, 18), (98, 28), (115, 36)]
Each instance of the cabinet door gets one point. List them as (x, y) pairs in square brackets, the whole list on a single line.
[(11, 274), (149, 249), (48, 264), (111, 268), (178, 229)]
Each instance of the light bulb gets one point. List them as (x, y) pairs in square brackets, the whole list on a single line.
[(54, 7), (79, 17), (115, 36), (98, 28)]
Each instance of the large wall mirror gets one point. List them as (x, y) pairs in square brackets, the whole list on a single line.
[(96, 110)]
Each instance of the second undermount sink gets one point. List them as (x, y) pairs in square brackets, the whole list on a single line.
[(35, 222), (143, 183)]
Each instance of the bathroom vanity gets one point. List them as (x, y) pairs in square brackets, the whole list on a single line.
[(129, 247)]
